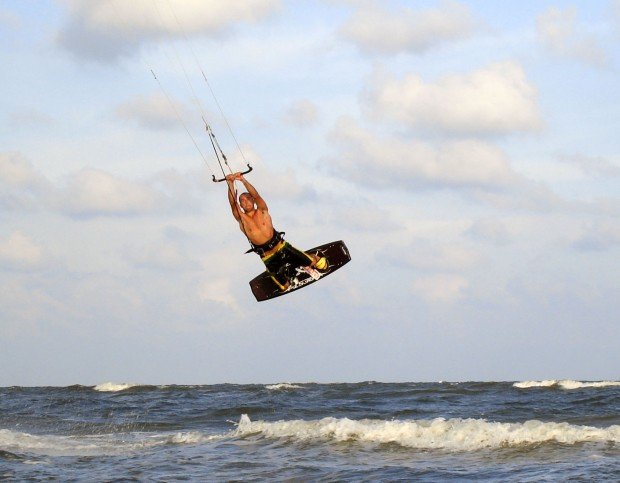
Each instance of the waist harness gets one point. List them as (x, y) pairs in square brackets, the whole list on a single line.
[(277, 237)]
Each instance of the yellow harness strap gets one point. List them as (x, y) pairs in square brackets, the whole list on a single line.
[(278, 247)]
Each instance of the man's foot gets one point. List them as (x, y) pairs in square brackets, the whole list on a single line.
[(320, 263), (314, 273)]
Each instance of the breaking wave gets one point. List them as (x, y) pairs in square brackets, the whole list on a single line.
[(109, 444), (448, 434), (442, 434), (565, 384), (281, 386), (114, 387)]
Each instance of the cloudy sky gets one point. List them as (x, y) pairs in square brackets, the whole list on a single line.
[(466, 151)]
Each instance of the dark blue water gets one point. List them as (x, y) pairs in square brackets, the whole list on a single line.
[(365, 431)]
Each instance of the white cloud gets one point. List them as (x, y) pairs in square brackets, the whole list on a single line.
[(592, 165), (184, 191), (362, 217), (21, 186), (20, 251), (92, 192), (527, 195), (280, 184), (28, 309), (497, 99), (433, 256), (17, 171), (491, 230), (108, 29), (557, 31), (30, 117), (160, 256), (153, 112), (474, 168), (599, 236), (219, 291), (10, 19), (302, 113), (440, 288), (615, 13), (375, 29), (383, 162)]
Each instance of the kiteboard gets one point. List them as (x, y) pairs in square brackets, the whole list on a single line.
[(337, 254)]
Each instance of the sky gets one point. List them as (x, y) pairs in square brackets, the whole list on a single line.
[(465, 151)]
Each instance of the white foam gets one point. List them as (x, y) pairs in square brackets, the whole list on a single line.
[(114, 387), (565, 384), (193, 437), (528, 384), (281, 386), (451, 434), (52, 445), (579, 385), (101, 444)]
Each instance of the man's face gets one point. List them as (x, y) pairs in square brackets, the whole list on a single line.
[(246, 201)]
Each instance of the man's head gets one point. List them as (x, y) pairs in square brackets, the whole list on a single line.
[(246, 200)]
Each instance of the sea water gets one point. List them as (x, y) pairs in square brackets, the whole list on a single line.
[(491, 431)]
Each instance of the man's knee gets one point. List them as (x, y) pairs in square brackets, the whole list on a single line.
[(281, 282)]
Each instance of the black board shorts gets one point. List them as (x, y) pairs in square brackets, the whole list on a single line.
[(287, 255)]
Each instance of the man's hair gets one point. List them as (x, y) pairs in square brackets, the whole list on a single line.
[(246, 195)]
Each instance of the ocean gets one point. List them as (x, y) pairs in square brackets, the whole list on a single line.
[(368, 431)]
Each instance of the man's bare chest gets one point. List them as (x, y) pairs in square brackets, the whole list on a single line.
[(258, 222)]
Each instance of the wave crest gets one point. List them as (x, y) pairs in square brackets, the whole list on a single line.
[(281, 386), (451, 434), (565, 384), (92, 445), (114, 387)]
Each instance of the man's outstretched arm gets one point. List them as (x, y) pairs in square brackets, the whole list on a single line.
[(260, 202), (231, 197)]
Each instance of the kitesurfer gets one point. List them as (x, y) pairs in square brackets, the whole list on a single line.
[(252, 214)]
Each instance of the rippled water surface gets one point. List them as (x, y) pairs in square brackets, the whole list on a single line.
[(526, 431)]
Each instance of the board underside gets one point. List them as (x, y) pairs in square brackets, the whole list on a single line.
[(337, 254)]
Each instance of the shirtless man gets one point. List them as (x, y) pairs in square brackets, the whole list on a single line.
[(252, 214)]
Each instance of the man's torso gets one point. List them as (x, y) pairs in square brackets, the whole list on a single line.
[(258, 227)]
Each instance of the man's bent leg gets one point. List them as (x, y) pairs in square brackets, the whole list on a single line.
[(278, 281), (275, 265), (303, 259)]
